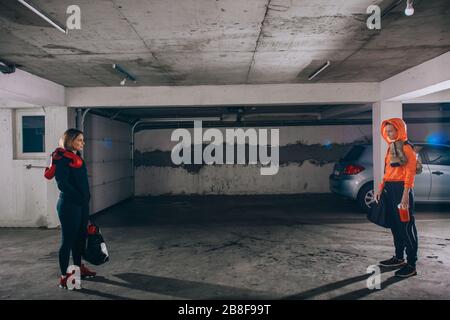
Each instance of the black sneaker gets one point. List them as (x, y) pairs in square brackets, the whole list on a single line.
[(393, 262), (406, 271)]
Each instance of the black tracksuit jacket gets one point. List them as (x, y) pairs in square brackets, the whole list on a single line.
[(72, 182)]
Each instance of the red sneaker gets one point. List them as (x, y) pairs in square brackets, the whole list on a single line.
[(63, 282), (86, 273)]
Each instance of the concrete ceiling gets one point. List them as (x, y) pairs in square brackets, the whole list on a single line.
[(195, 42)]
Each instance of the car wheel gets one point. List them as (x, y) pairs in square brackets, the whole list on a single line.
[(366, 197)]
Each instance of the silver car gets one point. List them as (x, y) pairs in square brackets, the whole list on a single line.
[(352, 175)]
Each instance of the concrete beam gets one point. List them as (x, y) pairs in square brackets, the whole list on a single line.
[(22, 89), (438, 97), (320, 93), (7, 103), (424, 79)]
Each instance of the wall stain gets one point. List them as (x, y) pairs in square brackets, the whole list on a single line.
[(298, 153), (72, 49)]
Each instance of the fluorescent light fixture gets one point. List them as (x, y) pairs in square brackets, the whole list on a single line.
[(181, 119), (43, 16), (229, 117), (391, 7), (409, 10), (124, 73), (282, 116), (326, 65), (6, 67)]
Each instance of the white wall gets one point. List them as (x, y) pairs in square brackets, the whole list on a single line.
[(27, 198), (108, 158), (246, 179)]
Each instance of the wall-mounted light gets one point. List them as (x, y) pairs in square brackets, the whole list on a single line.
[(43, 16), (409, 10), (6, 67), (124, 73), (323, 67)]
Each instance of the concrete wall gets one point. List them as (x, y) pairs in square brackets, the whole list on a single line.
[(108, 158), (27, 198), (307, 157)]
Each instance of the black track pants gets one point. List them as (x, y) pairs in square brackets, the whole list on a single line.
[(404, 233), (74, 219)]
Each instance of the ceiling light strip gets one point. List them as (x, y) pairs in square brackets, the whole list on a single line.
[(43, 16), (326, 65)]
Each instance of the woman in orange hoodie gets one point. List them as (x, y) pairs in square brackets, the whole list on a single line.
[(397, 185)]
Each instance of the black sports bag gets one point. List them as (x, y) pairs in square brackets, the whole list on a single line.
[(95, 251)]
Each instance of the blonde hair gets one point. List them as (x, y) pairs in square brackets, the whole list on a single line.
[(68, 137)]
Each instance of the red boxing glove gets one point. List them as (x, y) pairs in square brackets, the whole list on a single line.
[(75, 162)]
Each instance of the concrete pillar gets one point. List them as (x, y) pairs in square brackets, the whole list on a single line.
[(381, 111)]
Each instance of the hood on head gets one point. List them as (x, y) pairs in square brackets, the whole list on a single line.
[(398, 124)]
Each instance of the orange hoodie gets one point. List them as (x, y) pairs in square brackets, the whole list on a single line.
[(407, 172)]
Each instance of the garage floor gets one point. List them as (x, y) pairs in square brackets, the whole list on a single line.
[(249, 247)]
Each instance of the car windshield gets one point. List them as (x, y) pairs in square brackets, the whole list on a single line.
[(354, 153)]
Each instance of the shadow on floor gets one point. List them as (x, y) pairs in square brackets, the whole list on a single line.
[(194, 210), (264, 210), (362, 293), (181, 288), (337, 285), (433, 207), (102, 294), (203, 291)]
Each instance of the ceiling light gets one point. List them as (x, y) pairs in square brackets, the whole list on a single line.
[(43, 16), (283, 116), (229, 117), (390, 8), (409, 10), (323, 67), (125, 73), (6, 67)]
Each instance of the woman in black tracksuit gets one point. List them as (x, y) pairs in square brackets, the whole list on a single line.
[(73, 204)]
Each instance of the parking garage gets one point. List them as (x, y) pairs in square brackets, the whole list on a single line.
[(314, 72)]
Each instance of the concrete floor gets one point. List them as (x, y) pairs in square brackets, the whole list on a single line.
[(252, 247)]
